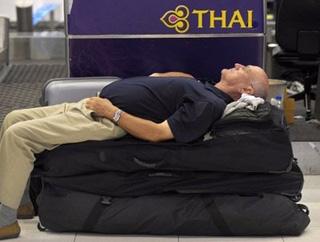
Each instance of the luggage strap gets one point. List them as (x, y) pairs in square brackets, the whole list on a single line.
[(96, 213), (216, 216)]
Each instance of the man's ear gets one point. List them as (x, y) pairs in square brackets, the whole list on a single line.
[(247, 90)]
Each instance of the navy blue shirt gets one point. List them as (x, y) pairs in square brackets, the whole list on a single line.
[(190, 106)]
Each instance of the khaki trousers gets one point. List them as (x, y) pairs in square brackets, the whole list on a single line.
[(30, 131)]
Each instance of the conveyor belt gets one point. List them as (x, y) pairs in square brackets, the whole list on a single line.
[(21, 87)]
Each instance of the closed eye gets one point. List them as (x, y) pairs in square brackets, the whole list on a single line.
[(246, 69)]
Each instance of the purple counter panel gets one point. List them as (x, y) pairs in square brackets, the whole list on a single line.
[(203, 57), (137, 37), (101, 17)]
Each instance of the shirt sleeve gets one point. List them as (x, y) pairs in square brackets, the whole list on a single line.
[(192, 120)]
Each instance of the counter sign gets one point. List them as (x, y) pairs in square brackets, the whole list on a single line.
[(180, 19)]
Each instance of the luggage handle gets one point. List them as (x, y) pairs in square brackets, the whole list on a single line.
[(146, 164)]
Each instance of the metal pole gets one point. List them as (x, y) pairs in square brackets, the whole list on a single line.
[(317, 104), (66, 12), (24, 17)]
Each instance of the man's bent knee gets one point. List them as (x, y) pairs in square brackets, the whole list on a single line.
[(18, 141), (14, 117), (17, 130)]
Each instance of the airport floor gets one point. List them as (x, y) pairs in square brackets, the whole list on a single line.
[(309, 159)]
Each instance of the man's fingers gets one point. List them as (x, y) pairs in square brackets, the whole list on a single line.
[(88, 104), (97, 102), (93, 101), (96, 99)]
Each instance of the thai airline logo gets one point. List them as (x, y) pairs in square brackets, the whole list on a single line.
[(179, 18)]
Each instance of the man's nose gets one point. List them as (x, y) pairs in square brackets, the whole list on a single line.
[(238, 66)]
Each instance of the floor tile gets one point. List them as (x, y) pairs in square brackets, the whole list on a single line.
[(30, 233), (310, 235), (314, 215), (310, 195), (312, 181), (121, 238), (308, 155), (230, 239)]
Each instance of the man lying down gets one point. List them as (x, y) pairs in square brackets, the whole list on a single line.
[(153, 109)]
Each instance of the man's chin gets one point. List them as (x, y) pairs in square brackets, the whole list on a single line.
[(223, 72)]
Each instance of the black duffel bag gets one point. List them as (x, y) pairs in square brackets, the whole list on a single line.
[(123, 184), (64, 210)]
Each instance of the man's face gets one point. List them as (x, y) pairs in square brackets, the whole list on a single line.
[(246, 79), (239, 75)]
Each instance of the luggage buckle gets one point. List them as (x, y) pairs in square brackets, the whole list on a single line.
[(106, 200), (304, 208), (41, 227)]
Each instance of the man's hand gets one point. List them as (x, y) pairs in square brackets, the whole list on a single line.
[(137, 127), (101, 106)]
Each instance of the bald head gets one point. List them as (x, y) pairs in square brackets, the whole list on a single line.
[(259, 81), (244, 79)]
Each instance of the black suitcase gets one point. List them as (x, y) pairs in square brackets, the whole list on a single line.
[(64, 210), (121, 184), (244, 141)]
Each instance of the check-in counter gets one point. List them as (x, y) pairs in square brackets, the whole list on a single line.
[(138, 37)]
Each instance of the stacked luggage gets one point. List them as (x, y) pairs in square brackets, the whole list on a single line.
[(241, 179)]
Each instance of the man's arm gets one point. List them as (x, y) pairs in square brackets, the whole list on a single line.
[(145, 129), (137, 127), (171, 74)]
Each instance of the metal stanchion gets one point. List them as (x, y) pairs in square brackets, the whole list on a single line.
[(24, 24), (24, 15)]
